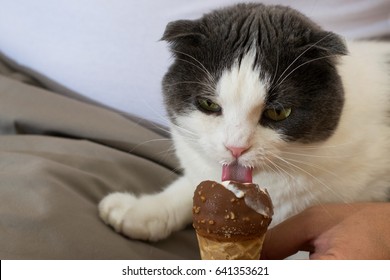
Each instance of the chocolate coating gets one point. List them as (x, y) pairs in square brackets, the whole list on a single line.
[(236, 212)]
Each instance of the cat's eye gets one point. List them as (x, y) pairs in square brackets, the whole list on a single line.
[(277, 114), (207, 105)]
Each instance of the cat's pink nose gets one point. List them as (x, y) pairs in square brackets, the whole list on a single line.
[(237, 151)]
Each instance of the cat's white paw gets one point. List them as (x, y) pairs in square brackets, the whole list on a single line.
[(143, 218)]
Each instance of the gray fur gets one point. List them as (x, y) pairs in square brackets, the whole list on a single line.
[(281, 35)]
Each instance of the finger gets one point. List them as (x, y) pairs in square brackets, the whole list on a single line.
[(323, 257), (286, 239), (298, 232)]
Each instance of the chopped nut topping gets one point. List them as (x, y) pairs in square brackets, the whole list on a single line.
[(211, 222), (203, 198), (232, 216), (196, 209)]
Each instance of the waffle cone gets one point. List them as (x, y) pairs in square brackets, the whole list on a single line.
[(228, 250)]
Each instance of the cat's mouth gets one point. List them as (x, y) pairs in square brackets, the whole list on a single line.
[(236, 172)]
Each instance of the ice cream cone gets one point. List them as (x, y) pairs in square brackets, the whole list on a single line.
[(225, 250), (231, 220)]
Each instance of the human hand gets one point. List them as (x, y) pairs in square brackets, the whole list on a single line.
[(333, 231)]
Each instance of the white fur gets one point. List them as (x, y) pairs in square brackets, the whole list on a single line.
[(352, 165)]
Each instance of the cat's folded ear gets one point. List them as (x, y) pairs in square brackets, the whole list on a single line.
[(329, 43), (183, 31)]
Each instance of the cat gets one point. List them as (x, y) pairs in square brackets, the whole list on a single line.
[(266, 89)]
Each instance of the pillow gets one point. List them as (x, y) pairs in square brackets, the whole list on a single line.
[(109, 51)]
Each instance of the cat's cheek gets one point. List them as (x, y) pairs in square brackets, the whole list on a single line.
[(214, 149), (202, 132)]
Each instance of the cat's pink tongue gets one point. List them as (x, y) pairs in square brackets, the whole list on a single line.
[(236, 172)]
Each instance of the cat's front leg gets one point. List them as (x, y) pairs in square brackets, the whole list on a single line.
[(149, 217)]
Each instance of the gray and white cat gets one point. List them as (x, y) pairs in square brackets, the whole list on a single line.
[(265, 88)]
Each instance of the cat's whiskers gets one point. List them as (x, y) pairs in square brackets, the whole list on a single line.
[(300, 65), (147, 142), (291, 188), (293, 166), (169, 151), (321, 147), (188, 136), (315, 166), (262, 161), (290, 180), (163, 129), (190, 139), (299, 56), (200, 65), (209, 88), (276, 67), (165, 153), (185, 131), (326, 152), (279, 170), (335, 156)]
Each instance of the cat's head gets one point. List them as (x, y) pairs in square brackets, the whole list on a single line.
[(250, 78)]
